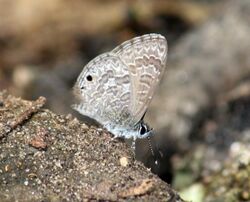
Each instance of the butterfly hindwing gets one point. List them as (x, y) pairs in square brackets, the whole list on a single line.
[(104, 91)]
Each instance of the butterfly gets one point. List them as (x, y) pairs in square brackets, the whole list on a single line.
[(116, 87)]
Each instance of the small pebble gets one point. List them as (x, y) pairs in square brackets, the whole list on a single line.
[(124, 161)]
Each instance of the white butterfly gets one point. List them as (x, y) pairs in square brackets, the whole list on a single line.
[(116, 87)]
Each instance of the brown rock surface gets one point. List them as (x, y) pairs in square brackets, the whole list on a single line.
[(47, 157)]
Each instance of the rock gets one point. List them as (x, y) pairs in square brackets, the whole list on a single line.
[(47, 158)]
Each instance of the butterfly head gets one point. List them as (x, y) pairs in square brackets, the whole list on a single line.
[(144, 130)]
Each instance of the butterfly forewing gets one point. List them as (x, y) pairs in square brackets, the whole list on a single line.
[(145, 57)]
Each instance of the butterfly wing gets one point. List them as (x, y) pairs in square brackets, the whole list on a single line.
[(103, 90), (145, 58)]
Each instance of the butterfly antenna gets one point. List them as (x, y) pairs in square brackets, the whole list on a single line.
[(151, 149)]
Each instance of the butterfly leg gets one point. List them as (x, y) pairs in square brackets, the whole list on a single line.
[(133, 143)]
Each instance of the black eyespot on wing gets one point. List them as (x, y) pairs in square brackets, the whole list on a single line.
[(82, 87), (89, 78)]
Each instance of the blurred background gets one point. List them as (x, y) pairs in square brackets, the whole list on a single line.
[(201, 111)]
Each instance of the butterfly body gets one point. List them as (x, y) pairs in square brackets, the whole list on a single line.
[(116, 87), (140, 130)]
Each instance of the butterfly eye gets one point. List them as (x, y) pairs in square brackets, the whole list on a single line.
[(143, 130), (89, 78)]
